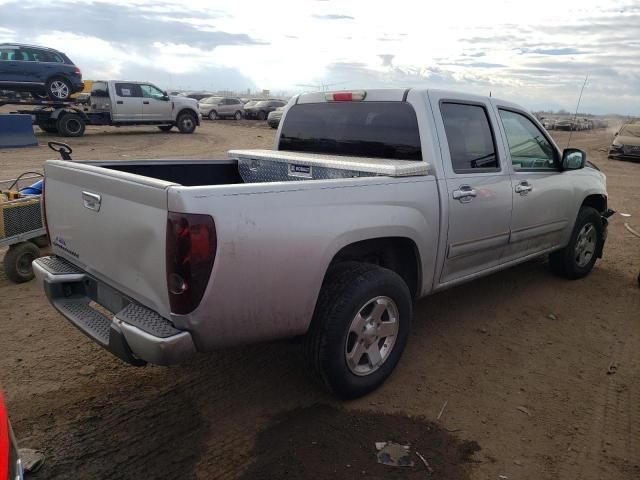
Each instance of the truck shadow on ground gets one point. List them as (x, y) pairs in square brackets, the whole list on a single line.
[(202, 418)]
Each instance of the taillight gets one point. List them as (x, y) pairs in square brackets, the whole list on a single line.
[(345, 96), (77, 71), (4, 440), (191, 250)]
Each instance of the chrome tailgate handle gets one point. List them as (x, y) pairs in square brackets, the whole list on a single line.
[(92, 201)]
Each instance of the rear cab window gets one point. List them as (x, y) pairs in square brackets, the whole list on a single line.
[(364, 129)]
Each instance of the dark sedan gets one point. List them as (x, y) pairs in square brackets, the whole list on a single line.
[(41, 71), (262, 109)]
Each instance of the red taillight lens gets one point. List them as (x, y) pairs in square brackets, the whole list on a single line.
[(4, 440), (77, 70), (191, 250)]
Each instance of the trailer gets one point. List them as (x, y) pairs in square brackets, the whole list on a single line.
[(21, 227), (113, 103)]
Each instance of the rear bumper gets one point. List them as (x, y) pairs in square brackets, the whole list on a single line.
[(134, 334)]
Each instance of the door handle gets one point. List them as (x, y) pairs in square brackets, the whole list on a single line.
[(146, 103), (523, 188), (119, 102), (465, 193)]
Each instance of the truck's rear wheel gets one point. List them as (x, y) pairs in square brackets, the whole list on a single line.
[(17, 261), (49, 129), (359, 329), (186, 122), (71, 125), (577, 259)]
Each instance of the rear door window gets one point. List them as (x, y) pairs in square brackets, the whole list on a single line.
[(469, 137), (367, 129), (128, 90)]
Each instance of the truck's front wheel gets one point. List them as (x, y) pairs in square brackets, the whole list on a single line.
[(186, 122), (577, 259), (360, 328)]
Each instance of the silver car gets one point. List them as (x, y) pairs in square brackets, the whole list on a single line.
[(221, 107)]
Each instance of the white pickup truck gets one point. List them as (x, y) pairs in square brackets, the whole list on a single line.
[(119, 103), (369, 201)]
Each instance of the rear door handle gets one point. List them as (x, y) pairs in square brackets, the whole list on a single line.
[(465, 193), (523, 188), (119, 102), (146, 103)]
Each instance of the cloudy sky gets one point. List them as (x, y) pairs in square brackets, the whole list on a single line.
[(535, 53)]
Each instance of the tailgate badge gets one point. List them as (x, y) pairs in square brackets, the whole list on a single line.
[(91, 201)]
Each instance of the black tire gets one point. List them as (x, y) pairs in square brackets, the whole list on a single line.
[(165, 128), (566, 262), (17, 261), (52, 129), (238, 115), (186, 122), (71, 125), (347, 289), (213, 115), (42, 241), (58, 89), (262, 115)]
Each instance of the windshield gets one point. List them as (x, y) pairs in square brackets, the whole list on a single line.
[(260, 104), (367, 129), (630, 130), (210, 100)]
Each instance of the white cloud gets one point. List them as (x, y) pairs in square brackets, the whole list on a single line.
[(532, 55)]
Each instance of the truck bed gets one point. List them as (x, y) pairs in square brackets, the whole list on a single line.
[(256, 166)]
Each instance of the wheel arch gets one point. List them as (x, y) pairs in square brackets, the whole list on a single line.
[(190, 111), (597, 201), (397, 253)]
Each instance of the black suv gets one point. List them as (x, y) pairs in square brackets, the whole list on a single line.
[(262, 108), (41, 71)]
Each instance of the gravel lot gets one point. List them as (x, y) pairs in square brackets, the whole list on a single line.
[(521, 359)]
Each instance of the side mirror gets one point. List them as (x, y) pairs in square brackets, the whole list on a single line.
[(166, 97), (573, 159)]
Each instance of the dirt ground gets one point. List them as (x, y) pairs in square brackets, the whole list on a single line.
[(517, 362)]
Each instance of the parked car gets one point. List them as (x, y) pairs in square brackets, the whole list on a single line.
[(38, 70), (10, 463), (548, 123), (565, 124), (262, 108), (626, 143), (370, 201), (119, 103), (273, 120), (221, 107)]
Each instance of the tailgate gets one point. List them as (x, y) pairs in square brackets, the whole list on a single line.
[(111, 224)]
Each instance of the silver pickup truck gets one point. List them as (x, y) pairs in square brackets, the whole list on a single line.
[(369, 201)]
